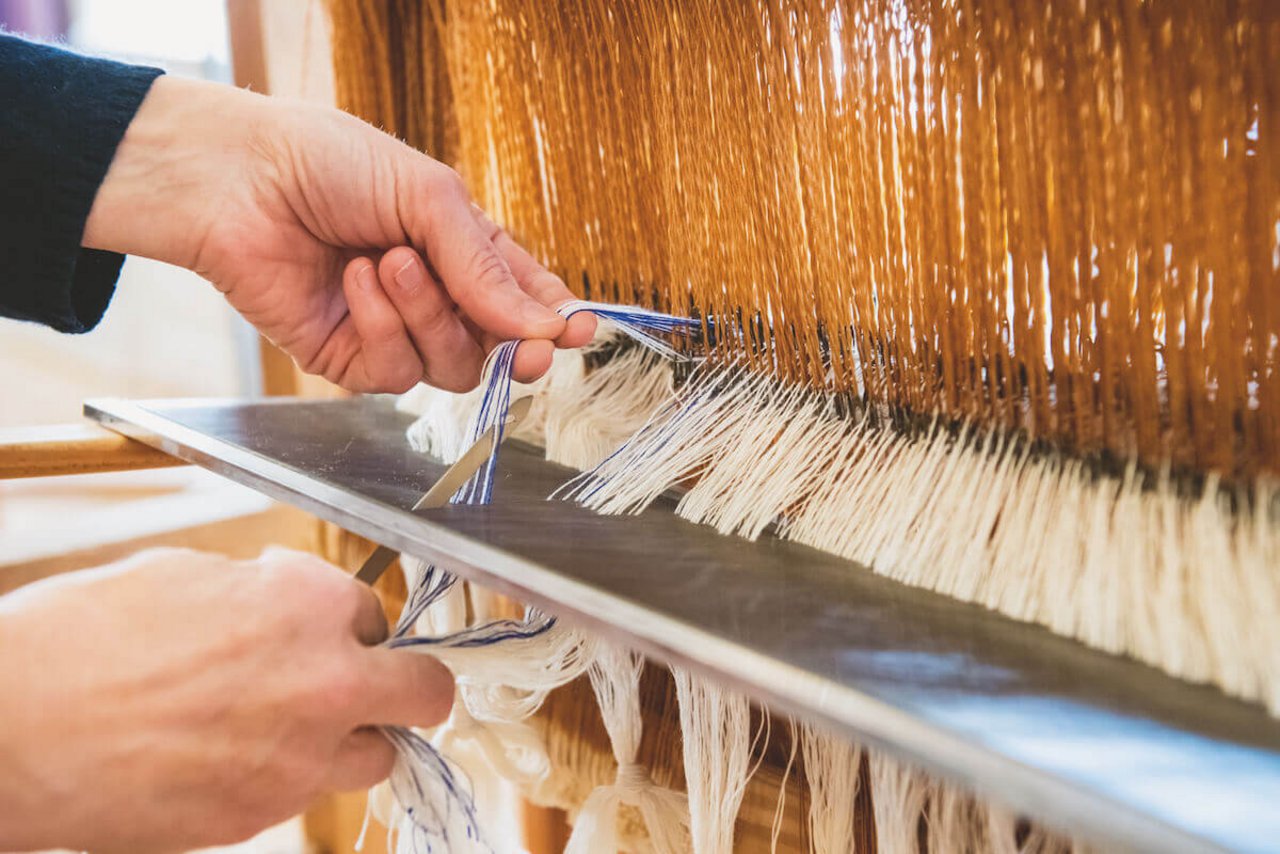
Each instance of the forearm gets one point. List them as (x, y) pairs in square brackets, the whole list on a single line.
[(61, 118)]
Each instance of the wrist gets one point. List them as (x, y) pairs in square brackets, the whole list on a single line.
[(183, 150)]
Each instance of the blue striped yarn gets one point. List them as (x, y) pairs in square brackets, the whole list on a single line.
[(427, 767), (534, 624), (430, 829), (427, 590), (637, 323), (492, 412)]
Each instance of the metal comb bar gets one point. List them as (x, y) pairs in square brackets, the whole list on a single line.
[(1092, 743)]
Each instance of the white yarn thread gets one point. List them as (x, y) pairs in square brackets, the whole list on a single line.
[(446, 614), (615, 679), (511, 749), (898, 795), (508, 681), (831, 767), (590, 414), (1184, 584), (715, 728), (780, 808)]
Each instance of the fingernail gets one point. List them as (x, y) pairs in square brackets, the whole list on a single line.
[(536, 312), (366, 278), (409, 277)]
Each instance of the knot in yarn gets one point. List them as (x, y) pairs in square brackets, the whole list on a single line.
[(632, 777)]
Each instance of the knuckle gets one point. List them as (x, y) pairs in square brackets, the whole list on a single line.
[(458, 380), (459, 385), (317, 364), (299, 579), (445, 181), (402, 377), (395, 378), (383, 331), (491, 229), (542, 280), (486, 267), (333, 605)]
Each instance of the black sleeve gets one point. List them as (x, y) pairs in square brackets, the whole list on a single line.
[(62, 116)]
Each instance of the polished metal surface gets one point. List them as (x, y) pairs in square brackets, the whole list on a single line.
[(1099, 745), (453, 479)]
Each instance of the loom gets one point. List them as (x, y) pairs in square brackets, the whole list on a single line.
[(963, 532)]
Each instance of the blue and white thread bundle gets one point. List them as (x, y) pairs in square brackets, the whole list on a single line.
[(504, 668), (494, 403), (639, 324)]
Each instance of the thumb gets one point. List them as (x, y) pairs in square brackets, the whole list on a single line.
[(406, 688)]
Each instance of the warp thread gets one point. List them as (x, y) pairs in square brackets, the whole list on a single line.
[(715, 724), (1184, 582), (615, 678), (831, 766)]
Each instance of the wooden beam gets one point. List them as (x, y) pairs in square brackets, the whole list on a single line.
[(73, 449)]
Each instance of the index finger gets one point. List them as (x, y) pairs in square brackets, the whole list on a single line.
[(537, 281), (472, 269)]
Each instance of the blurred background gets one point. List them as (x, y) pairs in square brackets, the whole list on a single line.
[(167, 332)]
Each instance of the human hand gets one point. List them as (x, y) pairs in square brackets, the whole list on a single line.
[(179, 699), (312, 223)]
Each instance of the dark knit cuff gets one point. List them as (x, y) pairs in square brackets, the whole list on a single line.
[(63, 117)]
